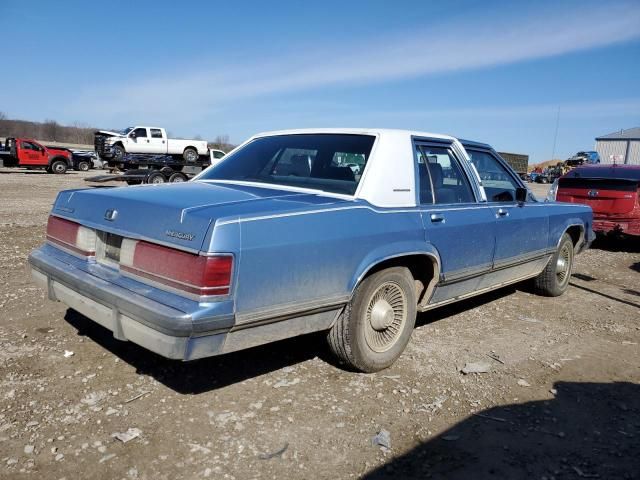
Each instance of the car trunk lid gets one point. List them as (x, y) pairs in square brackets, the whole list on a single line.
[(176, 214), (607, 196)]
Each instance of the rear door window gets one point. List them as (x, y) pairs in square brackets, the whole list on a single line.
[(156, 133), (441, 178)]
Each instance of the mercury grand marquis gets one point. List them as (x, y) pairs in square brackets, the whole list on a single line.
[(285, 237)]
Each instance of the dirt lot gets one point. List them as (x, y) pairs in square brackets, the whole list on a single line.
[(561, 400)]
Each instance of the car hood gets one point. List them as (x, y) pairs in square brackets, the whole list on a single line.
[(179, 214), (109, 133)]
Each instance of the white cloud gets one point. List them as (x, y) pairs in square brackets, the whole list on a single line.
[(495, 39)]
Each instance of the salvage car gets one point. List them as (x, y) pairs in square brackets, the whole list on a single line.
[(112, 145), (612, 191), (281, 239)]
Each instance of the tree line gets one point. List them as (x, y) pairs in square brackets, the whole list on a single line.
[(49, 131), (52, 131)]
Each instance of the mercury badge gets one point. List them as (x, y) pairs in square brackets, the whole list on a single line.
[(593, 193), (110, 214), (180, 235)]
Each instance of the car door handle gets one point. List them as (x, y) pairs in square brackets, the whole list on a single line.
[(147, 140), (502, 213), (437, 218)]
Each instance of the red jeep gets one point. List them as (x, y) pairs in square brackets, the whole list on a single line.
[(25, 152), (612, 191)]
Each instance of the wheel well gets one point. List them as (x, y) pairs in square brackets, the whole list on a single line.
[(575, 232), (190, 148), (61, 159), (424, 269)]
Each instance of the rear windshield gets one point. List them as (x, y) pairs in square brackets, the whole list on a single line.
[(328, 162), (621, 184), (619, 172)]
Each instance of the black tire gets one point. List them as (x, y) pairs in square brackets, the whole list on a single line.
[(356, 341), (156, 177), (118, 152), (544, 180), (190, 155), (59, 167), (554, 279), (84, 166), (178, 177)]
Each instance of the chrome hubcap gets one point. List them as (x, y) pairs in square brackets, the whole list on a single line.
[(563, 264), (386, 315), (381, 315)]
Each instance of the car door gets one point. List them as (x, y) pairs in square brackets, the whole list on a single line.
[(31, 154), (157, 141), (522, 228), (456, 223), (139, 142)]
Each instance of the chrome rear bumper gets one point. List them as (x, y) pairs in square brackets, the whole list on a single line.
[(157, 327)]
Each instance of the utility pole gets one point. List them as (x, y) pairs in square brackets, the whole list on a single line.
[(555, 137)]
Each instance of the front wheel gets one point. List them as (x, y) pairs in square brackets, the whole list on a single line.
[(377, 323), (118, 152), (554, 279)]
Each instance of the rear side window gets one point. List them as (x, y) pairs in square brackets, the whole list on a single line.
[(440, 176), (498, 184), (140, 132), (156, 133)]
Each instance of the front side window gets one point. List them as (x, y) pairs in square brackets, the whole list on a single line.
[(498, 184), (316, 161), (440, 177), (156, 133), (30, 146), (140, 132)]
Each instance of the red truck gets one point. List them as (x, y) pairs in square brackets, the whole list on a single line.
[(25, 152)]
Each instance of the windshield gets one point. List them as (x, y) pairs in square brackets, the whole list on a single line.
[(328, 162), (126, 131)]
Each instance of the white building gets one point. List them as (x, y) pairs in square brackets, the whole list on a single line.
[(620, 147)]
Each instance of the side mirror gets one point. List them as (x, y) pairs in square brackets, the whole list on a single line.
[(132, 135), (521, 194)]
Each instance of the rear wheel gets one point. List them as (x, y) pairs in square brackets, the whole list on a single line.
[(58, 166), (377, 323), (156, 177), (190, 155), (554, 279), (84, 166), (178, 177)]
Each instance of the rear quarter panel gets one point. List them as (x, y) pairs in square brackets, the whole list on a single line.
[(565, 215), (294, 262)]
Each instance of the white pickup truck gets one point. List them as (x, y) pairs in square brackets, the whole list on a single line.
[(149, 140)]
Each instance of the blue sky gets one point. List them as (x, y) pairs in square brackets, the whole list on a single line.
[(489, 71)]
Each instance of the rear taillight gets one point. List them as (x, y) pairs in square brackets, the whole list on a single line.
[(72, 236), (195, 274)]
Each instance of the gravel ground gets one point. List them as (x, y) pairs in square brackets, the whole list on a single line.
[(561, 398)]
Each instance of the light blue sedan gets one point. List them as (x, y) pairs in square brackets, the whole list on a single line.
[(283, 238)]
